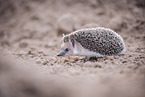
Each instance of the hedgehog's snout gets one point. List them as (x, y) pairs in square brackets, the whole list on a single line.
[(61, 53)]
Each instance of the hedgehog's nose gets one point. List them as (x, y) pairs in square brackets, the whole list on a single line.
[(58, 55)]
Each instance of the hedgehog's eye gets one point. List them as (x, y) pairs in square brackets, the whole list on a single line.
[(67, 49)]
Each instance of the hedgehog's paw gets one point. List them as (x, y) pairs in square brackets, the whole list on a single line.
[(86, 59)]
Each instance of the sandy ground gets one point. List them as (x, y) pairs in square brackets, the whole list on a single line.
[(31, 32)]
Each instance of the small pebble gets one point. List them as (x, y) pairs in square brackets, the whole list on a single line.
[(45, 62), (38, 62)]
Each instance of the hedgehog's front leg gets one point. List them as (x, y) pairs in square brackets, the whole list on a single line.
[(86, 59)]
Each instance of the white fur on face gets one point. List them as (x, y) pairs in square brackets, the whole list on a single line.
[(67, 45)]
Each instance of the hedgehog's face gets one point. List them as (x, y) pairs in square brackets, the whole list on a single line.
[(66, 48)]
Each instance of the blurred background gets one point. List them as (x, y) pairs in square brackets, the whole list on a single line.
[(31, 32)]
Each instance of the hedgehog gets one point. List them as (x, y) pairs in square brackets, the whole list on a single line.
[(92, 42)]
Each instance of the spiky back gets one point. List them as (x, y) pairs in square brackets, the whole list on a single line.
[(100, 40)]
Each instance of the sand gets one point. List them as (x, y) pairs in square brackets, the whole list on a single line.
[(31, 33)]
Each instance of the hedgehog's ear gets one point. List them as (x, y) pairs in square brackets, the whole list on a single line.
[(63, 35), (72, 40)]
